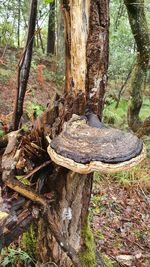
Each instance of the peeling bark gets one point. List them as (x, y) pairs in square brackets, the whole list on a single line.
[(97, 56)]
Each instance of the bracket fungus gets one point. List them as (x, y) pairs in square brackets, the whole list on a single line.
[(86, 145)]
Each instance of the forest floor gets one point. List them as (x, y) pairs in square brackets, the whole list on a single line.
[(120, 216), (120, 203)]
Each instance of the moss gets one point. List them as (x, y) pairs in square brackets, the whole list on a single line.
[(87, 256), (29, 241), (107, 261), (98, 234)]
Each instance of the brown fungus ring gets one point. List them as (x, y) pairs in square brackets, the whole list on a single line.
[(84, 149)]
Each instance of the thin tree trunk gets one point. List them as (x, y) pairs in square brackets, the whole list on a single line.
[(141, 35), (39, 38), (60, 44), (24, 68), (19, 11), (51, 30), (86, 76), (41, 42)]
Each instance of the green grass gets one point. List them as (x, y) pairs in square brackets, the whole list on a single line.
[(138, 176), (5, 73), (118, 117), (115, 116), (145, 110)]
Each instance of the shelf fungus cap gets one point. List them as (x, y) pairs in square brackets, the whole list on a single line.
[(84, 149)]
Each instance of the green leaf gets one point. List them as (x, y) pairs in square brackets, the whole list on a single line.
[(6, 261), (48, 1), (1, 133), (23, 180)]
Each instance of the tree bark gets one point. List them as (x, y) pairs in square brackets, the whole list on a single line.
[(24, 68), (51, 30), (141, 35), (18, 31), (86, 29)]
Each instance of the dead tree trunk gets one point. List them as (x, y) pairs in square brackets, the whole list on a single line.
[(24, 68), (140, 32), (86, 40), (64, 237)]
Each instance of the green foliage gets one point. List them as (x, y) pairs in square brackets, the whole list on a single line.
[(29, 241), (23, 180), (10, 257), (6, 30), (1, 133), (121, 55), (48, 1), (144, 112), (55, 77), (118, 116), (34, 108)]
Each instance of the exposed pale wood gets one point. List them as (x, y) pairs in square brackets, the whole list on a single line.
[(79, 34)]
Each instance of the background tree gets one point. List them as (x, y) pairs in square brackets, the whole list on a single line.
[(19, 10), (24, 67), (141, 35), (51, 29)]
